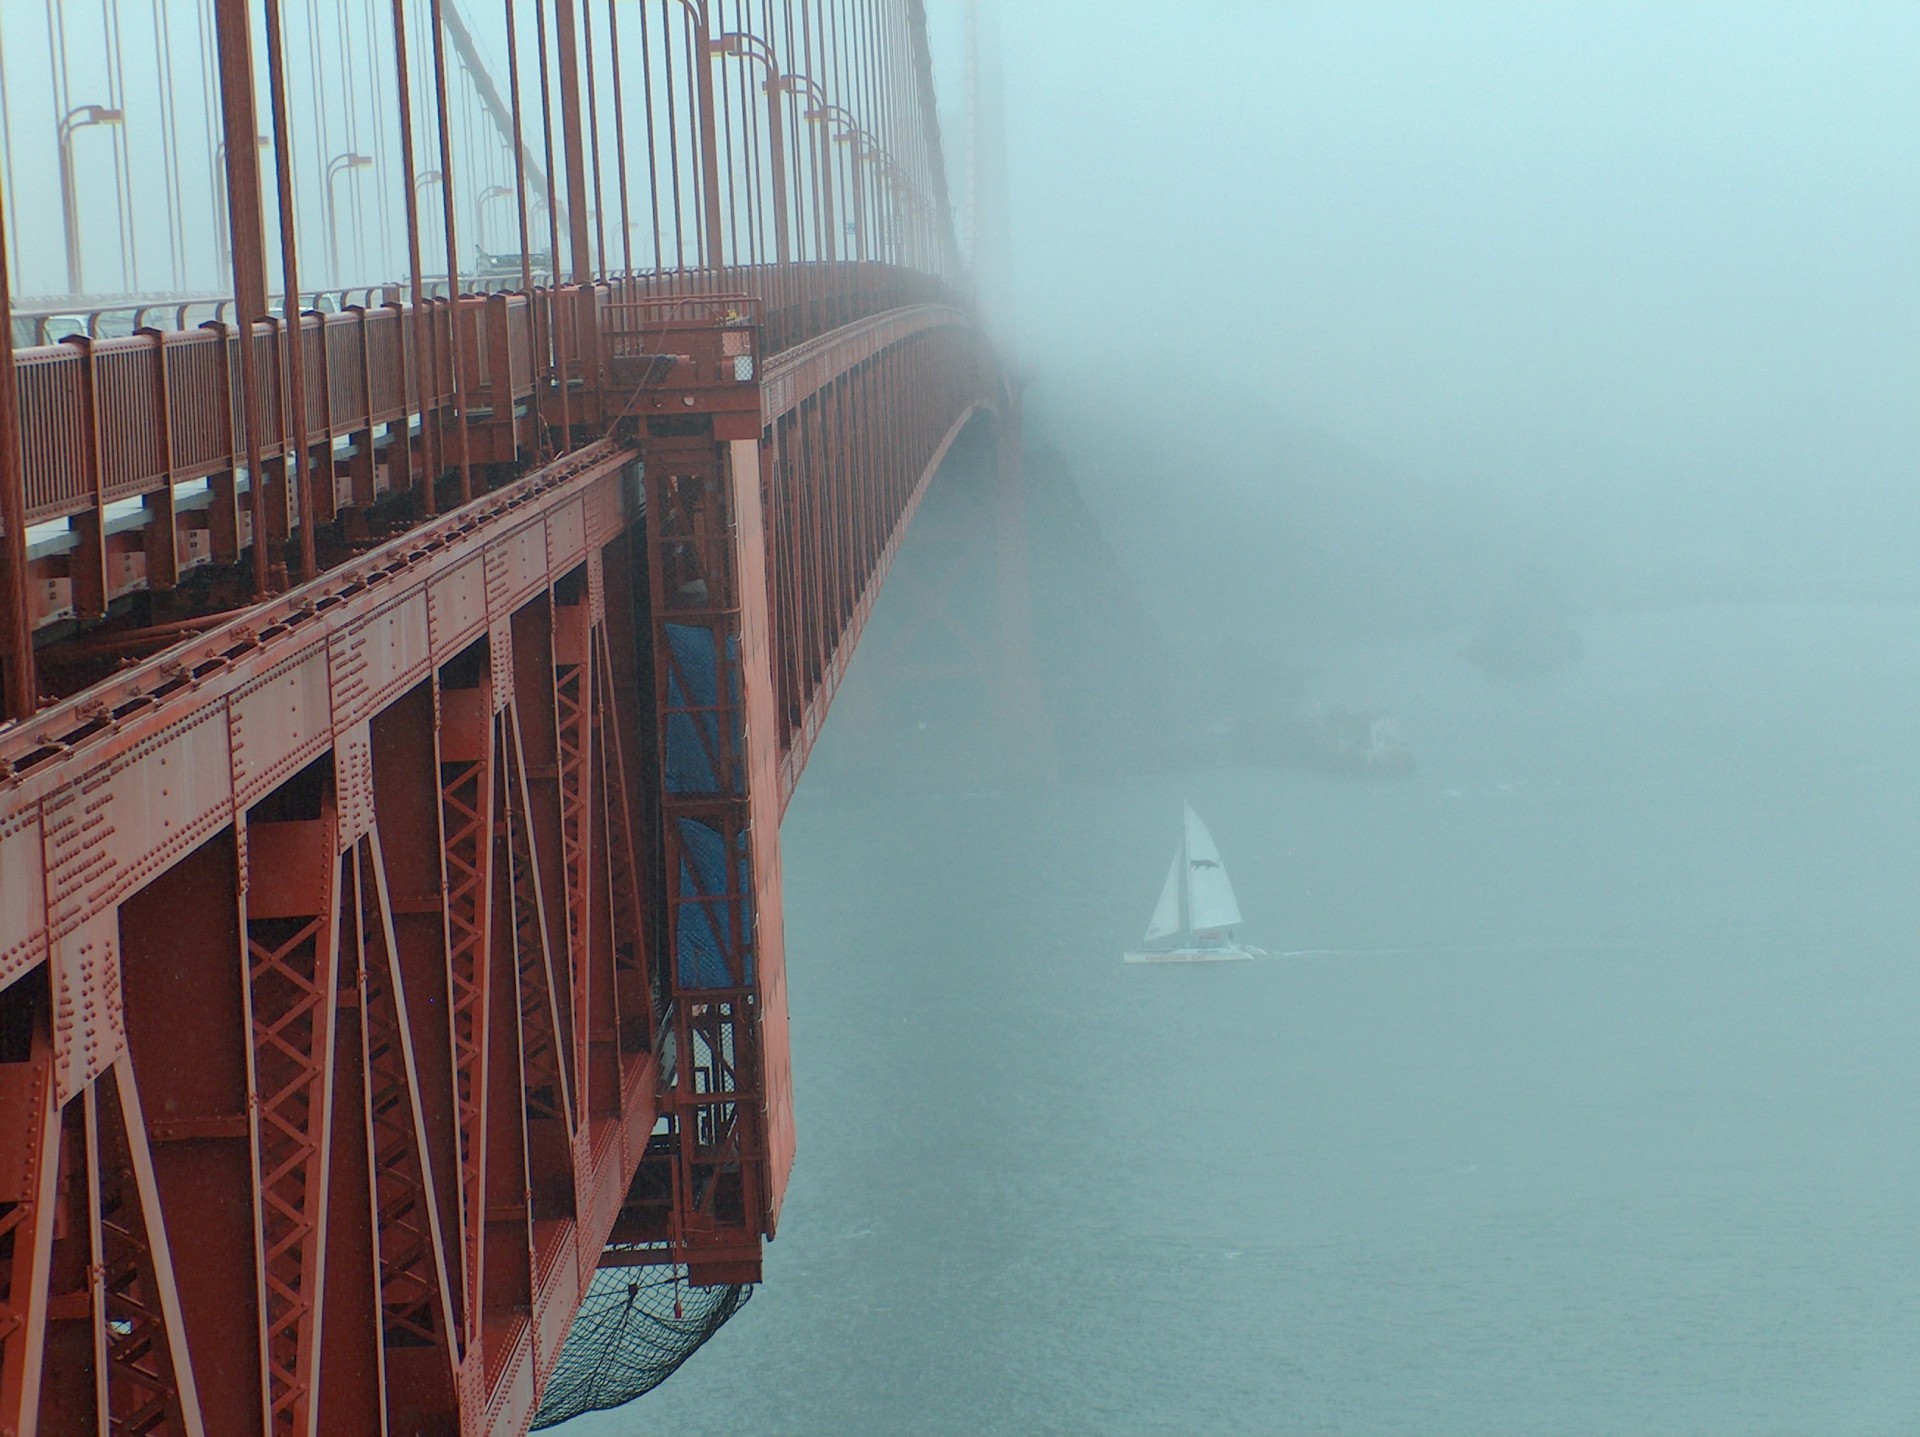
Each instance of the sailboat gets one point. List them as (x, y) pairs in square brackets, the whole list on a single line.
[(1197, 907)]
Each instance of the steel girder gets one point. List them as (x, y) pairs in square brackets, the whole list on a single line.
[(320, 1093), (340, 980)]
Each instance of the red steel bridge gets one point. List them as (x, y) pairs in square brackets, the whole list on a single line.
[(430, 549)]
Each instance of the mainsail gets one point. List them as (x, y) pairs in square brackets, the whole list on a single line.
[(1210, 901), (1196, 889)]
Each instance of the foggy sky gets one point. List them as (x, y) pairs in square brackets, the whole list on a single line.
[(1634, 278), (1619, 289)]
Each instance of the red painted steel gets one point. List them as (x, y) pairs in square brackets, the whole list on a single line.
[(289, 740), (166, 410), (367, 976)]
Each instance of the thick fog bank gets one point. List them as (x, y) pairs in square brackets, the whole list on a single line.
[(1359, 315)]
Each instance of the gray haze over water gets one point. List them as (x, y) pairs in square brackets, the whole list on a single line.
[(1594, 1108), (1604, 1122)]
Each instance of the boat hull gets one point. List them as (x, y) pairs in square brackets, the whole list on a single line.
[(1233, 954)]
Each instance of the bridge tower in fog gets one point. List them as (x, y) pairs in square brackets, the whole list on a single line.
[(448, 454)]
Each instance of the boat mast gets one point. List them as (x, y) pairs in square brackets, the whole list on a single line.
[(1186, 885)]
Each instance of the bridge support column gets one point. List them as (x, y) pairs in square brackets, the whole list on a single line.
[(719, 807)]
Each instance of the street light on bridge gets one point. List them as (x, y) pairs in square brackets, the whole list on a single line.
[(420, 183), (910, 202), (862, 146), (823, 186), (902, 188), (222, 236), (752, 47), (348, 161), (491, 192), (78, 118)]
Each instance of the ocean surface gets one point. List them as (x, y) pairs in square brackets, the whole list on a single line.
[(1595, 1110)]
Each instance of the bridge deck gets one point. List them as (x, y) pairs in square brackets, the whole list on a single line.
[(400, 701), (502, 668)]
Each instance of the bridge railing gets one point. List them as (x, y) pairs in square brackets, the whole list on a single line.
[(108, 421), (114, 419)]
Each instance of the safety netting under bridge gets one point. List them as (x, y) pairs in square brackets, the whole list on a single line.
[(637, 1325)]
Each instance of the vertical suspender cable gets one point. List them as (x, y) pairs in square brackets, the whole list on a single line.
[(349, 76), (239, 125), (519, 161), (382, 175), (877, 88), (792, 125), (22, 690), (469, 108), (538, 325), (122, 161), (290, 281), (897, 84), (6, 148), (869, 112), (619, 137), (759, 211), (210, 105), (845, 87), (796, 127), (453, 256), (723, 148), (673, 137), (885, 161), (57, 50), (653, 150), (882, 142), (713, 253), (566, 51), (861, 104), (323, 118), (425, 372), (823, 246), (830, 43), (170, 144), (593, 139), (562, 360), (882, 128)]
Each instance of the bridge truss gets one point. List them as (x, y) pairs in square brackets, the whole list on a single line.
[(402, 703)]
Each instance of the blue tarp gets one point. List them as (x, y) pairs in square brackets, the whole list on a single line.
[(700, 954), (693, 681)]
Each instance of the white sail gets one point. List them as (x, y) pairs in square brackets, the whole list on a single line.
[(1166, 913), (1210, 901)]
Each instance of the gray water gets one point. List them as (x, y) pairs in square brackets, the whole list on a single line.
[(1600, 1115)]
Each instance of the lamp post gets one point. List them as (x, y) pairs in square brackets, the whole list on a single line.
[(823, 187), (715, 255), (223, 241), (420, 183), (348, 161), (853, 136), (540, 222), (908, 202), (891, 203), (752, 47), (491, 192), (78, 118)]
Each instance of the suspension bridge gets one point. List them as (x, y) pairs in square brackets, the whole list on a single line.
[(447, 456)]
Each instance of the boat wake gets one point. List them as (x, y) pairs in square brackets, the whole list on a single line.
[(1466, 950)]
